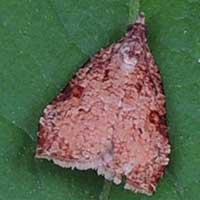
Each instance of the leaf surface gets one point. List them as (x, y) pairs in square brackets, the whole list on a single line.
[(42, 44)]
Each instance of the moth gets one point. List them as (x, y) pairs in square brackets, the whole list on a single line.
[(111, 117)]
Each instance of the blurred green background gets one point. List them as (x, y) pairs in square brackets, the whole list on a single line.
[(42, 44)]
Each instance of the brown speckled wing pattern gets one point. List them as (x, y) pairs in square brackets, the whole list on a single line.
[(111, 117)]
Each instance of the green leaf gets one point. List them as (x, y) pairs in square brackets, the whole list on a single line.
[(42, 44), (173, 29)]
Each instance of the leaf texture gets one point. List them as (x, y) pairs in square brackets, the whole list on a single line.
[(44, 42)]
